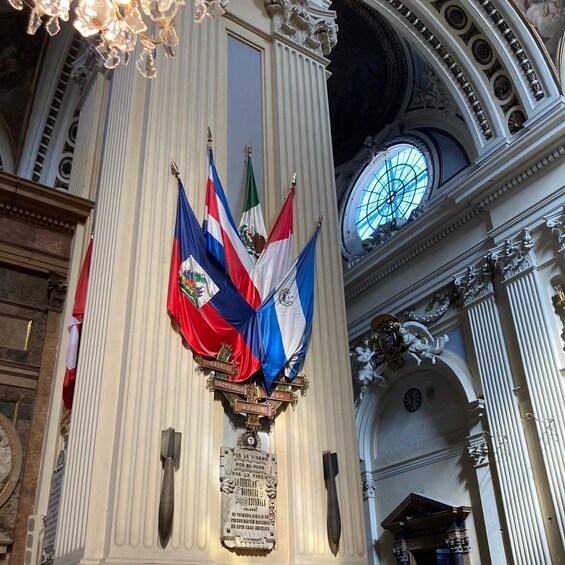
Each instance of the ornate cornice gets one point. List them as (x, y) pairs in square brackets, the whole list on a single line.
[(460, 78), (556, 223), (34, 204), (310, 26), (54, 109), (456, 224), (516, 47)]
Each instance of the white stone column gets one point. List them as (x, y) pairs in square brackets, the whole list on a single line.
[(514, 261), (324, 419), (524, 521), (136, 378)]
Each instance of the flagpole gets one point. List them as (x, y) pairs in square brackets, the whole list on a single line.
[(175, 169)]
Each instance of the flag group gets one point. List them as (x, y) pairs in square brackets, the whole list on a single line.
[(220, 297)]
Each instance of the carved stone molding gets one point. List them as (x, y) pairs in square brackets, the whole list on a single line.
[(86, 64), (480, 48), (460, 78), (56, 291), (458, 542), (478, 452), (475, 282), (368, 487), (308, 25), (512, 258), (401, 552), (518, 51), (435, 309), (55, 110), (556, 223), (436, 96)]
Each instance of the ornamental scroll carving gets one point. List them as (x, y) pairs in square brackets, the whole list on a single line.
[(556, 223), (478, 452), (513, 257), (475, 282), (308, 25), (391, 344)]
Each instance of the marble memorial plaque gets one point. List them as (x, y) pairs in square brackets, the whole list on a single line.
[(248, 479)]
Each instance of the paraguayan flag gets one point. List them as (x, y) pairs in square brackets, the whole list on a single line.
[(285, 318)]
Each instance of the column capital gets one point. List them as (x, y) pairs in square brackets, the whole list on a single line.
[(556, 223), (458, 542), (368, 486), (513, 258), (85, 67), (475, 283), (401, 552), (311, 26), (478, 451)]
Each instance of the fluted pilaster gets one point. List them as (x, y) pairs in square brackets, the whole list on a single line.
[(86, 158), (524, 521), (324, 419), (515, 261)]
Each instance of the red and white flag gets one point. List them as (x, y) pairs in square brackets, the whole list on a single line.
[(75, 325), (276, 260)]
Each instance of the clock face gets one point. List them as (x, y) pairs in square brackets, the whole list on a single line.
[(412, 399)]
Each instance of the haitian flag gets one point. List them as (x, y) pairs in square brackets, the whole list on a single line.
[(285, 318), (207, 307), (223, 240)]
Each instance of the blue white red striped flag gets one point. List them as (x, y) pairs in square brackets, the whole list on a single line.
[(223, 240), (285, 318), (208, 308)]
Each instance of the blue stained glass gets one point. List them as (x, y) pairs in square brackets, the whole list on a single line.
[(396, 188)]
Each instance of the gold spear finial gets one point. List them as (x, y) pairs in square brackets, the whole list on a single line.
[(209, 138), (293, 180), (175, 170), (320, 219), (249, 150)]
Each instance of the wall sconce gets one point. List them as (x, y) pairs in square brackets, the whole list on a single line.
[(334, 518), (170, 452)]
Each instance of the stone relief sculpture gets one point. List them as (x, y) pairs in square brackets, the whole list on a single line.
[(363, 366), (391, 344), (419, 342)]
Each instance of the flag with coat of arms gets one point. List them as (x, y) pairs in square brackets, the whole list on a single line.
[(286, 316), (208, 308)]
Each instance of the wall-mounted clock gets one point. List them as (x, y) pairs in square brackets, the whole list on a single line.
[(412, 399)]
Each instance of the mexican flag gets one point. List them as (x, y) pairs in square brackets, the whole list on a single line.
[(252, 226)]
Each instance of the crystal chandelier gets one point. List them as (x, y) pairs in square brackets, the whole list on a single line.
[(119, 24)]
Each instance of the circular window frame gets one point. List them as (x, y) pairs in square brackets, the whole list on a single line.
[(351, 242)]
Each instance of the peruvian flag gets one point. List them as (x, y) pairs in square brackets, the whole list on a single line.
[(277, 257), (75, 325)]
